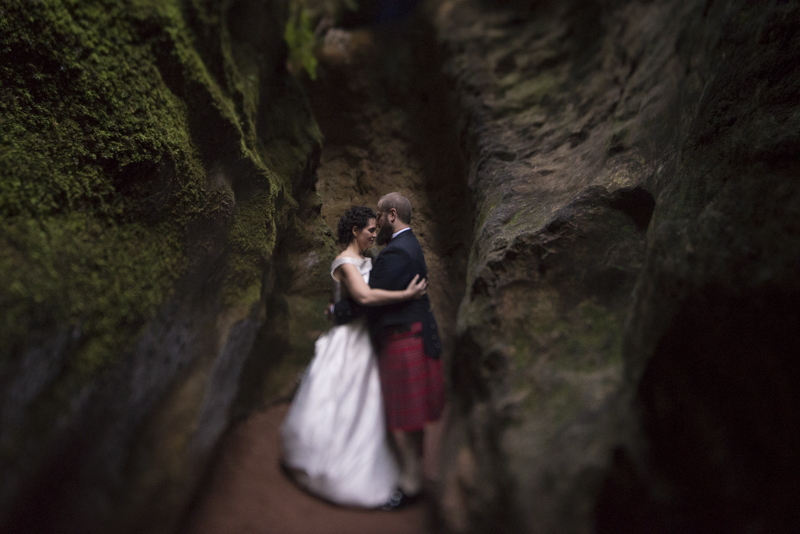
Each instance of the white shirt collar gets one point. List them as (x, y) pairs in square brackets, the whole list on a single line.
[(400, 232)]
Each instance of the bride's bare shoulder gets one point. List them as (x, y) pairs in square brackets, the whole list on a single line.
[(347, 255), (339, 262)]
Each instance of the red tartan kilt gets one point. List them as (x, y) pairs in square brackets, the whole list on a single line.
[(413, 384)]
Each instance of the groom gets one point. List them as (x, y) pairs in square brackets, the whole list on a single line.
[(408, 344)]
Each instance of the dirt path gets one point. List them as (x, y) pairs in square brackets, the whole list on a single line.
[(248, 494)]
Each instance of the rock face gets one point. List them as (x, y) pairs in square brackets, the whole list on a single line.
[(624, 351), (605, 191), (149, 159)]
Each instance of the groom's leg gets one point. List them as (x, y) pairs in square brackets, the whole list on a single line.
[(404, 372), (409, 446)]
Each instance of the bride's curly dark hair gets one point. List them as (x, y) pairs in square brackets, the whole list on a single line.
[(357, 216)]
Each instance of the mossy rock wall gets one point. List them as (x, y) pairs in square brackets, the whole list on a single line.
[(151, 154), (631, 164)]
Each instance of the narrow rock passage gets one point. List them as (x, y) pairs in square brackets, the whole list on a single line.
[(382, 106), (380, 102)]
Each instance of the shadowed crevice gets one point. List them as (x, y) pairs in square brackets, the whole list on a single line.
[(635, 202), (719, 401)]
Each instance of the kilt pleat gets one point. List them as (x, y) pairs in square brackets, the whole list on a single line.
[(413, 383)]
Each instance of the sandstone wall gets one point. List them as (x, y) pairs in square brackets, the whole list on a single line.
[(624, 350), (623, 359), (150, 156)]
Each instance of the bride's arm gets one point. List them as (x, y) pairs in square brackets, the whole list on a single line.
[(367, 296)]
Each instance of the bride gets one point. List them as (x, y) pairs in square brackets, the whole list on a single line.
[(334, 438)]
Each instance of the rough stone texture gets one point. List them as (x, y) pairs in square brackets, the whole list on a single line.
[(624, 356), (149, 159), (712, 341), (578, 406)]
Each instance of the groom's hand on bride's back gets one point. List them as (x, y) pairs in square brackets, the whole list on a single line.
[(345, 311)]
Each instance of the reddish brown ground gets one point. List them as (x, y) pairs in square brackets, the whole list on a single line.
[(247, 493)]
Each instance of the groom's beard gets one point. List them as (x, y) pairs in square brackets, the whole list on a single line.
[(384, 235)]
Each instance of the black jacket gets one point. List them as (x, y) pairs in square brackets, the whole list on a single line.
[(393, 270)]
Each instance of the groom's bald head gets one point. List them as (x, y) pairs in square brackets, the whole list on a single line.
[(399, 203)]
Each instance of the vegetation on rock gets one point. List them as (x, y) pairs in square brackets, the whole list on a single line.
[(150, 153), (104, 165)]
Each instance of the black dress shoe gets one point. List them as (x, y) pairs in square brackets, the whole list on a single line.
[(398, 500)]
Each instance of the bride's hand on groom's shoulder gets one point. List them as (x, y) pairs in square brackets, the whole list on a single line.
[(417, 287)]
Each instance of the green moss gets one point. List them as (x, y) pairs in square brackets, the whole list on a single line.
[(73, 269), (88, 127), (559, 401), (514, 219), (112, 116), (585, 338), (252, 239), (561, 357), (306, 323), (300, 38), (595, 339), (530, 92), (485, 210), (300, 32)]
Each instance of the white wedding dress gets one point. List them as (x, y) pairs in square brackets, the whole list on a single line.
[(334, 437)]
